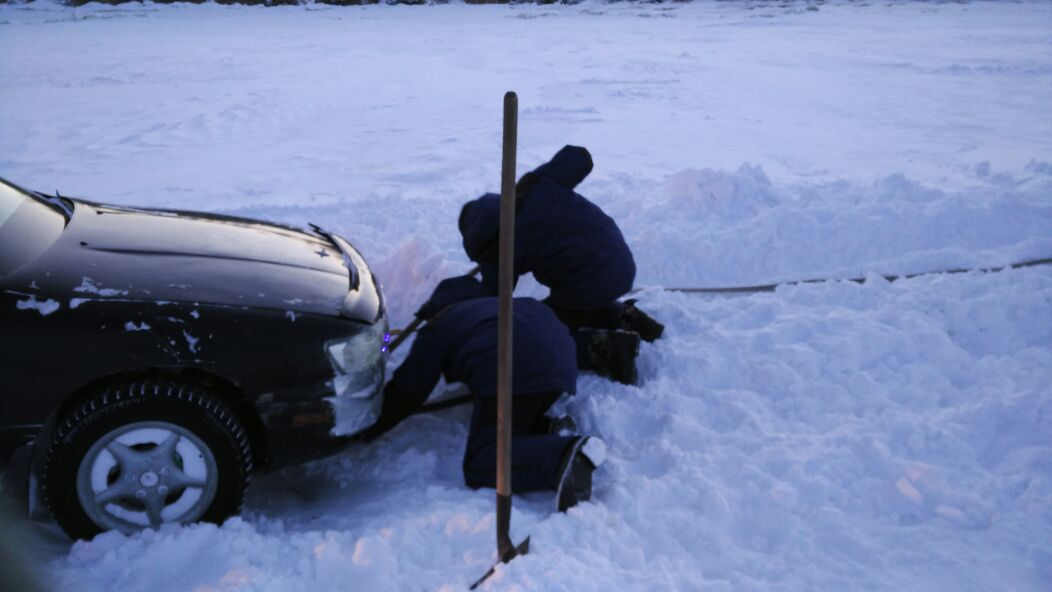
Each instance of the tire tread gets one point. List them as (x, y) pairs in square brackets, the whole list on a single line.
[(117, 397)]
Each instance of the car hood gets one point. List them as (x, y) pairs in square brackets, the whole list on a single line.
[(109, 252)]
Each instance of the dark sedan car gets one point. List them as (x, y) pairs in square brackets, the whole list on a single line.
[(154, 359)]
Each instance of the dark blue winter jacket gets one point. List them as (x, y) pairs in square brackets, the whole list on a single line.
[(460, 342), (566, 241)]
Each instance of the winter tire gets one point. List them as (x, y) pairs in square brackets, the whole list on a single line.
[(140, 454)]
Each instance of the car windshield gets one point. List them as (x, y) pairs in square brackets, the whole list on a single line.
[(28, 227)]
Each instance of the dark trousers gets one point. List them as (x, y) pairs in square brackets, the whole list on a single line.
[(535, 454), (606, 316)]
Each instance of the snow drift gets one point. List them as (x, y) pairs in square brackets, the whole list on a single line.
[(834, 436)]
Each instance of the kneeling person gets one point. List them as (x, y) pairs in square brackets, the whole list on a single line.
[(460, 342), (575, 249)]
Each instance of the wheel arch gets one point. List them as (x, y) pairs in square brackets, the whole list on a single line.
[(227, 391)]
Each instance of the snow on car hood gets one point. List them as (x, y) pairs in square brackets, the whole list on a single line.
[(123, 253)]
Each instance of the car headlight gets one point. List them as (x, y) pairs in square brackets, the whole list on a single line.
[(359, 361)]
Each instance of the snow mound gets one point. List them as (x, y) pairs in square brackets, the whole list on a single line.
[(836, 436), (740, 228)]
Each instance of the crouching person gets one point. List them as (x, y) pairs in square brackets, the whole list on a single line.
[(577, 251), (460, 343)]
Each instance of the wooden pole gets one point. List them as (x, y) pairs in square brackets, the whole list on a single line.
[(506, 550), (505, 287)]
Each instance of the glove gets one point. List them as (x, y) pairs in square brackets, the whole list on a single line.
[(427, 310), (398, 405)]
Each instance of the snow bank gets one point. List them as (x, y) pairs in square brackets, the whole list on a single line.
[(740, 228), (882, 436)]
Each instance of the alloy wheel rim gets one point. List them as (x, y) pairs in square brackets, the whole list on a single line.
[(145, 474)]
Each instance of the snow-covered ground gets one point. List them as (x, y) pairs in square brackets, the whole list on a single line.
[(837, 436)]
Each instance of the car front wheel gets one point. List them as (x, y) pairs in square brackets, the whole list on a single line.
[(144, 453)]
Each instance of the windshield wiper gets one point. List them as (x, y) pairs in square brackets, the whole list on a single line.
[(64, 204)]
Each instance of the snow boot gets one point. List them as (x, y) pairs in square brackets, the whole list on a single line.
[(564, 425), (608, 353), (633, 319), (582, 457), (622, 362)]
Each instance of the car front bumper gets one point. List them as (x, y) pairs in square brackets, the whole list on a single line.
[(314, 421), (299, 430), (304, 425)]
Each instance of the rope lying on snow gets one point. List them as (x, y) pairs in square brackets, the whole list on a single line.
[(890, 278)]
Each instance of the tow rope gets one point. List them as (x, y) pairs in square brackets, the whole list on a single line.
[(890, 278)]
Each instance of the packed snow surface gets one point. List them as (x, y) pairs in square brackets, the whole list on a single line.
[(834, 436)]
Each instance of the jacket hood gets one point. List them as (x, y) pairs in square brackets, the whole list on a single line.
[(479, 224), (568, 167)]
